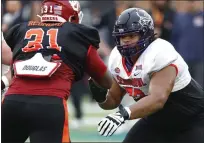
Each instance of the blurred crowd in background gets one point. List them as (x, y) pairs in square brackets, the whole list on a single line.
[(179, 22)]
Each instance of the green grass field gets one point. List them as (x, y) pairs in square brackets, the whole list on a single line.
[(87, 132), (90, 135)]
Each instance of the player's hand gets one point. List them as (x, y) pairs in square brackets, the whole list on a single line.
[(108, 125)]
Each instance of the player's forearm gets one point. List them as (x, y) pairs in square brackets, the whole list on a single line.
[(146, 106), (109, 104), (160, 87)]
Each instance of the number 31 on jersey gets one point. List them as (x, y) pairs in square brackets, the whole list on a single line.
[(39, 34)]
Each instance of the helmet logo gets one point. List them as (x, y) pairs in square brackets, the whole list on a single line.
[(56, 9), (145, 19)]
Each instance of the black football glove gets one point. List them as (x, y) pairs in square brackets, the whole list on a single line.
[(99, 93)]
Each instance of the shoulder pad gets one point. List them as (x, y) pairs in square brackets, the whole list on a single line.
[(90, 34), (11, 34), (163, 54)]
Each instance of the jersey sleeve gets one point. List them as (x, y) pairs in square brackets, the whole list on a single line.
[(165, 56), (95, 67), (11, 35)]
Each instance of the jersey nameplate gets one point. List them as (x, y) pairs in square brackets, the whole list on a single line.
[(36, 67)]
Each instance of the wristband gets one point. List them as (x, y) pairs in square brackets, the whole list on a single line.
[(125, 112), (129, 112)]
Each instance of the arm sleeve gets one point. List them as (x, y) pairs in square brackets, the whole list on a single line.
[(95, 67)]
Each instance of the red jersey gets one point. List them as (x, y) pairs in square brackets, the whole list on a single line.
[(60, 83)]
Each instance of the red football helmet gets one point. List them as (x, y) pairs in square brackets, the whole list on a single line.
[(61, 11)]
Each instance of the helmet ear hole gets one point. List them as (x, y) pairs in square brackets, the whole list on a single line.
[(73, 18)]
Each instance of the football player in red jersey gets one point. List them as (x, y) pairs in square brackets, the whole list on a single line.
[(170, 102), (48, 57)]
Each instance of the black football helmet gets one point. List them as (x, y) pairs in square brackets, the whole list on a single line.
[(134, 20)]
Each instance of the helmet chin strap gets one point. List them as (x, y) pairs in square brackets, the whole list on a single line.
[(51, 18)]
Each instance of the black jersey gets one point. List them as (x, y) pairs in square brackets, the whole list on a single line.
[(68, 40)]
